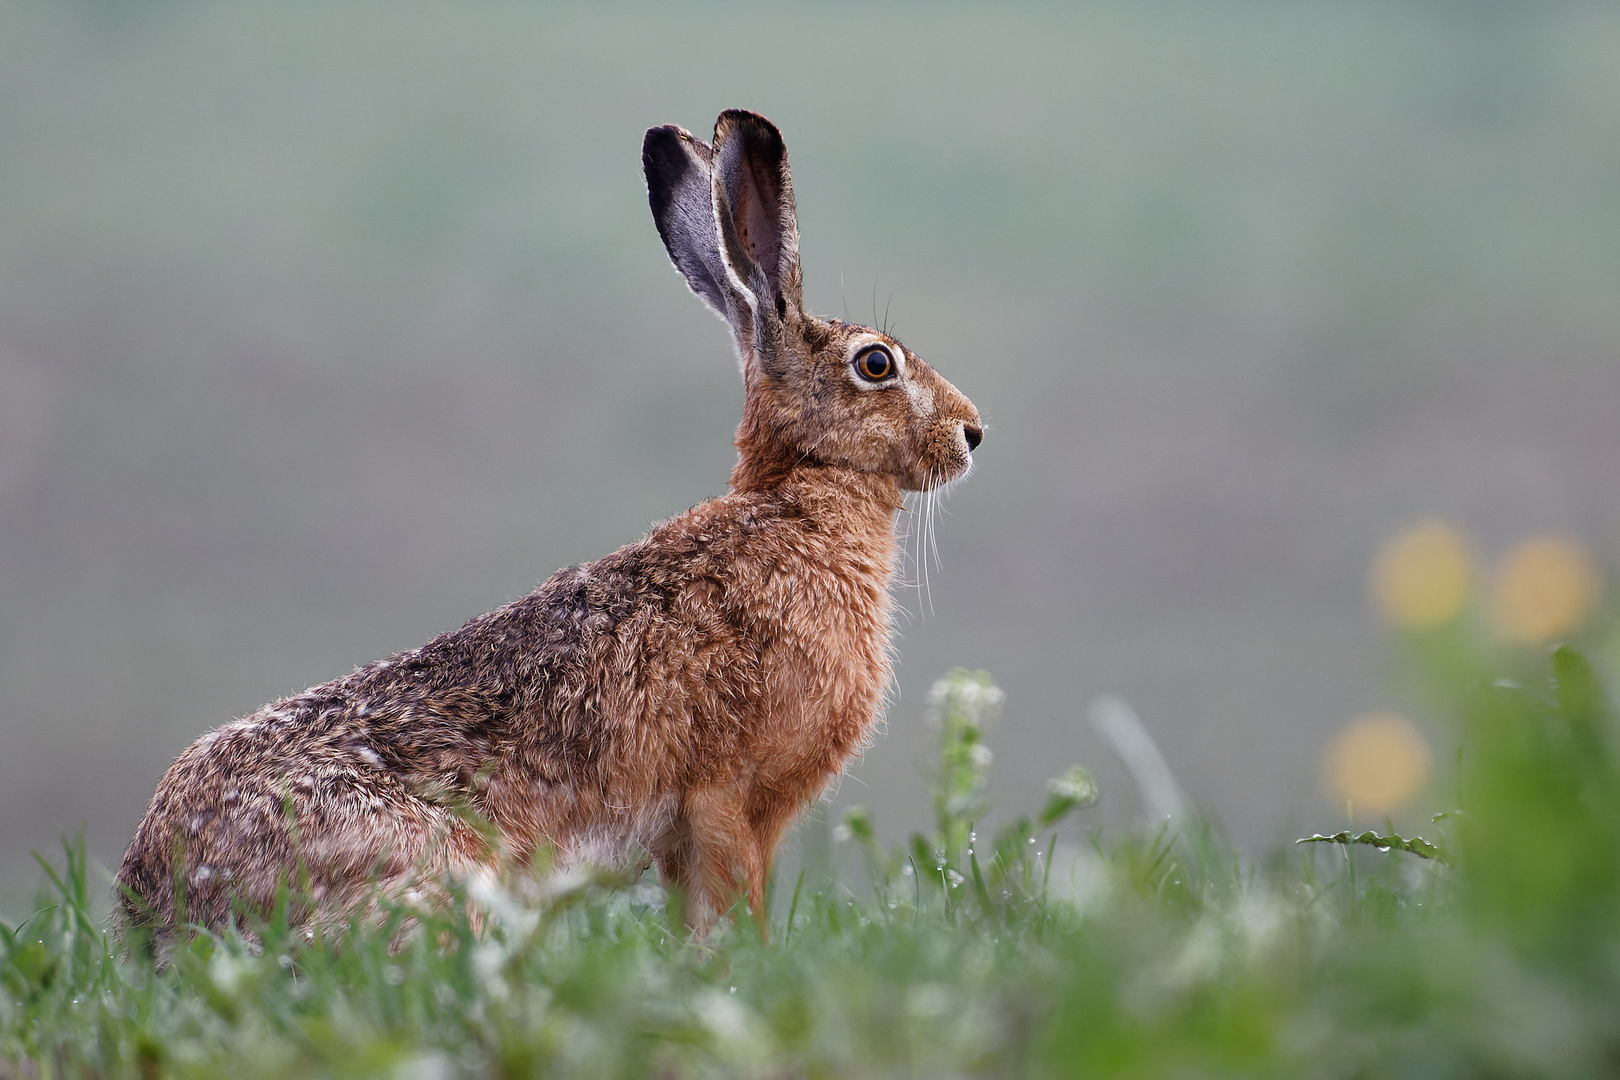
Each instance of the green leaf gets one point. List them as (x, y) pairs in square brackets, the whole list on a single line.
[(1580, 692), (32, 965), (979, 886), (1383, 842), (1585, 703)]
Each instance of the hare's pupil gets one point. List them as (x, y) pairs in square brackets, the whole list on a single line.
[(874, 364)]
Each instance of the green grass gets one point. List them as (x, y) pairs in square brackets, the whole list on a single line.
[(1153, 955)]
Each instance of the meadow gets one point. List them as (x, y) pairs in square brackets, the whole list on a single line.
[(1488, 947)]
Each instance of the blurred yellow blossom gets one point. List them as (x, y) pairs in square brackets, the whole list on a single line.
[(1377, 763), (1545, 588), (1422, 577)]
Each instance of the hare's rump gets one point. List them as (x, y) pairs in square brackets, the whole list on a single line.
[(258, 806)]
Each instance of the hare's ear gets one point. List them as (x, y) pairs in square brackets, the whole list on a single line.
[(759, 233), (680, 187)]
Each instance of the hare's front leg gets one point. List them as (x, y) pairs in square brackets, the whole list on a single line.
[(710, 856), (713, 856), (722, 850)]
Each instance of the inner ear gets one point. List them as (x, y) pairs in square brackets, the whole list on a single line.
[(754, 200), (758, 217)]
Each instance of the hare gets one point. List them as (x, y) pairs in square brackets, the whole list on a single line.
[(681, 699)]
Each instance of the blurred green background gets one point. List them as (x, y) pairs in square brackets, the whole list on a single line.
[(324, 327)]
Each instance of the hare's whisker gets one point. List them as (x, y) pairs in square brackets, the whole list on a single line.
[(934, 509), (925, 541)]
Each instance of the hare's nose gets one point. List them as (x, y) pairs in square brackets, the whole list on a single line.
[(973, 433)]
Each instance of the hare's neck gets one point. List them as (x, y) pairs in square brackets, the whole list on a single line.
[(846, 501), (766, 466), (841, 502), (769, 456), (842, 505)]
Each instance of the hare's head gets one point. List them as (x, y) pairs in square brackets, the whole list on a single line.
[(818, 391)]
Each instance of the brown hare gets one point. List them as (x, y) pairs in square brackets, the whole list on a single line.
[(680, 699)]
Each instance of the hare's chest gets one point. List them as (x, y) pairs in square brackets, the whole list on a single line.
[(827, 669)]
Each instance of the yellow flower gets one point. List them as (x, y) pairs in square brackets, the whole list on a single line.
[(1377, 763), (1545, 588), (1422, 577)]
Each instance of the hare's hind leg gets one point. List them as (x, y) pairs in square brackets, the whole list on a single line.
[(336, 848), (357, 848)]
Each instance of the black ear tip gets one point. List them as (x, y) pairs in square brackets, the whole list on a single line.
[(673, 146), (755, 128), (664, 165), (744, 116), (662, 135), (661, 149), (669, 155)]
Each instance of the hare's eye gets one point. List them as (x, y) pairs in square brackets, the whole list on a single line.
[(875, 364)]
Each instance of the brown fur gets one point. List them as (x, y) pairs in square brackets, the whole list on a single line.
[(683, 697)]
